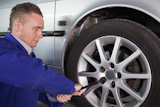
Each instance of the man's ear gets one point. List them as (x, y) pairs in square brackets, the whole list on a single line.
[(17, 25)]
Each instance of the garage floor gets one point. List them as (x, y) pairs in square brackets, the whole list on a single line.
[(68, 104)]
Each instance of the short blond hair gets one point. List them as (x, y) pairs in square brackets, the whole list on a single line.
[(20, 10)]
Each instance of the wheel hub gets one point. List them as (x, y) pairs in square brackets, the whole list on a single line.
[(110, 74)]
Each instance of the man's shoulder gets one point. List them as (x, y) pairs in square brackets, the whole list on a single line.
[(4, 41), (6, 44)]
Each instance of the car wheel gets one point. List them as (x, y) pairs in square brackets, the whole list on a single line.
[(123, 52)]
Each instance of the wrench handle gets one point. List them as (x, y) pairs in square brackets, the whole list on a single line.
[(89, 85)]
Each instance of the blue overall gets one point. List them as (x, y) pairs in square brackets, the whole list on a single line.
[(24, 79)]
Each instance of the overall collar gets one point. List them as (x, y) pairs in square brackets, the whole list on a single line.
[(26, 46), (14, 40)]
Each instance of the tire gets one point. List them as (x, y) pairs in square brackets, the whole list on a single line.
[(127, 55)]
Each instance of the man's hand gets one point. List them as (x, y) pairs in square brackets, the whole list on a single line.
[(78, 91), (64, 97)]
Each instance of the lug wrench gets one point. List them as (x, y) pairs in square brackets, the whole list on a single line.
[(102, 80)]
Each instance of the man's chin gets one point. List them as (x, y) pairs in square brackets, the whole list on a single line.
[(33, 46)]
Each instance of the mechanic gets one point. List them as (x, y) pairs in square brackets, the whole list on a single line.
[(23, 78)]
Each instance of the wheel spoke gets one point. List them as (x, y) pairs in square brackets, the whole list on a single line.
[(135, 76), (101, 51), (131, 92), (115, 49), (91, 89), (116, 94), (105, 93), (90, 60), (130, 58), (88, 74)]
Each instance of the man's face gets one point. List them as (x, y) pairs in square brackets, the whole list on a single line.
[(31, 30)]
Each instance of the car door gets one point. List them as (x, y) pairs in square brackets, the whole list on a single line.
[(45, 47)]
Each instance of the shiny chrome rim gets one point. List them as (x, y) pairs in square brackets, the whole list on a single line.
[(125, 68)]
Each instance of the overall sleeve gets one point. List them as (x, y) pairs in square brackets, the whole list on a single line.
[(20, 70), (44, 99)]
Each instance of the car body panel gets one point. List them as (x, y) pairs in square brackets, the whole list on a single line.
[(45, 47)]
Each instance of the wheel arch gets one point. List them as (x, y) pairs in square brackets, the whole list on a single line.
[(146, 18)]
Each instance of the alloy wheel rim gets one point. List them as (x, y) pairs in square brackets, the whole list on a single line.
[(102, 58)]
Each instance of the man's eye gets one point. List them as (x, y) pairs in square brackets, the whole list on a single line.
[(36, 29)]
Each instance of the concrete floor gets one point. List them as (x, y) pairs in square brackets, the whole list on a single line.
[(68, 104)]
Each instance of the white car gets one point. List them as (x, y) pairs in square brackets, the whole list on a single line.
[(87, 40)]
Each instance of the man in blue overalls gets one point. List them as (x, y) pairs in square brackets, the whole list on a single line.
[(24, 79)]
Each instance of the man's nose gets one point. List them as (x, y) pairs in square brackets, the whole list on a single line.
[(40, 34)]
